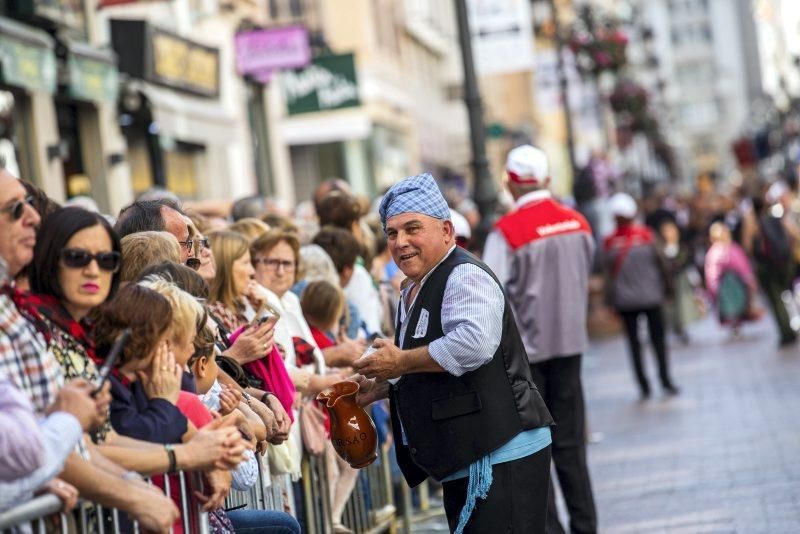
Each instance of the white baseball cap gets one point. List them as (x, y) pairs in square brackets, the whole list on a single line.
[(460, 224), (527, 165), (623, 205)]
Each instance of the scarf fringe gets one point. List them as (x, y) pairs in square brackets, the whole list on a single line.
[(480, 480)]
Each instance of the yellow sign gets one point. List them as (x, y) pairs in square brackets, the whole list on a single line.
[(186, 65)]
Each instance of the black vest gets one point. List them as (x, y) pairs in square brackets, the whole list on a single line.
[(452, 421)]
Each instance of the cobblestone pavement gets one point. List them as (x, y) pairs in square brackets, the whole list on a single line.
[(724, 456)]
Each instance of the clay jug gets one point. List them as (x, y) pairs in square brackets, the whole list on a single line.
[(353, 433)]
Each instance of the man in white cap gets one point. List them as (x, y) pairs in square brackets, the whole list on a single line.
[(542, 253), (465, 410), (637, 287)]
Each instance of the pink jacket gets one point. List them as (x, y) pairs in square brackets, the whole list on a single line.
[(723, 257)]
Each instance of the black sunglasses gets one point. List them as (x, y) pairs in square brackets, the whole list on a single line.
[(17, 209), (76, 258)]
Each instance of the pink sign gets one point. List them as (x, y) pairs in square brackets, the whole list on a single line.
[(258, 51)]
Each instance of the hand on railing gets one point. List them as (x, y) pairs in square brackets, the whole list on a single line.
[(154, 511), (218, 484), (64, 491)]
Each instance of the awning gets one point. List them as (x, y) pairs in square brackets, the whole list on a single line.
[(326, 127), (27, 59), (191, 119)]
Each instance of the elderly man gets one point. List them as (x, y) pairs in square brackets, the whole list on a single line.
[(542, 252), (31, 368), (158, 216), (465, 407)]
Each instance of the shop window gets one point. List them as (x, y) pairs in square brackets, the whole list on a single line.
[(14, 146), (183, 162), (76, 181)]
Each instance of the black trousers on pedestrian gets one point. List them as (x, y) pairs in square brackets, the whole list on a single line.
[(559, 382), (655, 326), (517, 499)]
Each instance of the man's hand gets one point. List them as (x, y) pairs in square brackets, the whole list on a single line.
[(64, 491), (385, 363), (218, 484), (283, 423), (164, 377), (370, 390), (253, 343), (75, 399), (154, 511)]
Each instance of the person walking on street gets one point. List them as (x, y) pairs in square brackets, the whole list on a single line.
[(542, 253), (637, 286), (465, 408)]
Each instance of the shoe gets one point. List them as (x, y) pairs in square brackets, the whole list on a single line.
[(786, 341), (671, 390), (644, 395)]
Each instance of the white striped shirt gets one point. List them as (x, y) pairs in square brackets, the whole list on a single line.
[(472, 319)]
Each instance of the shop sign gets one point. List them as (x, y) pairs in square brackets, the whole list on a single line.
[(28, 66), (183, 64), (262, 51), (93, 80), (328, 83)]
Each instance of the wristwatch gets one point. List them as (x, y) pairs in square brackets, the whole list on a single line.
[(173, 462)]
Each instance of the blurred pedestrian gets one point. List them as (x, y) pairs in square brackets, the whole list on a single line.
[(775, 265), (730, 281), (677, 261), (637, 286), (542, 253)]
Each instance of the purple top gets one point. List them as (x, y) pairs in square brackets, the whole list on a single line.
[(136, 416), (21, 447)]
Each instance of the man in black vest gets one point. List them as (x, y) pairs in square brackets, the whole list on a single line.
[(465, 410)]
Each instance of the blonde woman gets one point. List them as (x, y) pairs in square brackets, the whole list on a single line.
[(250, 227), (143, 249)]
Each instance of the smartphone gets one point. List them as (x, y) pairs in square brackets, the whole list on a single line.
[(267, 315), (111, 359)]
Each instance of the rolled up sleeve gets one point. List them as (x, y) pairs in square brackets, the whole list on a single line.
[(472, 321)]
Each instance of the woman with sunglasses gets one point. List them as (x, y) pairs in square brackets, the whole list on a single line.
[(74, 269)]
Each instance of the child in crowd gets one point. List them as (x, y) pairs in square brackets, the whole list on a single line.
[(323, 308)]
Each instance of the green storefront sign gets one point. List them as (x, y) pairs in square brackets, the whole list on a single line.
[(328, 83), (91, 79), (26, 57)]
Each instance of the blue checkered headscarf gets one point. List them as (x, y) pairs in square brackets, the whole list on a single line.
[(417, 194)]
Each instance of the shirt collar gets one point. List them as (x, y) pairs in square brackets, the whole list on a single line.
[(425, 278), (533, 196)]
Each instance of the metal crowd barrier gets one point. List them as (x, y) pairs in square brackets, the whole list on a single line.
[(41, 514), (370, 508)]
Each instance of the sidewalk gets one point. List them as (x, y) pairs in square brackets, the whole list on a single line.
[(724, 456)]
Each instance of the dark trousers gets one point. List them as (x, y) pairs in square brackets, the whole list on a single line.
[(517, 499), (773, 287), (559, 383), (655, 325)]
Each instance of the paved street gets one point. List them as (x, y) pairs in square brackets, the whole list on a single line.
[(724, 456)]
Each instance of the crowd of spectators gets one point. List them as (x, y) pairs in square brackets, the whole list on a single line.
[(235, 324)]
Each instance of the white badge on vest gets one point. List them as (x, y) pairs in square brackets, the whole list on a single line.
[(422, 325)]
